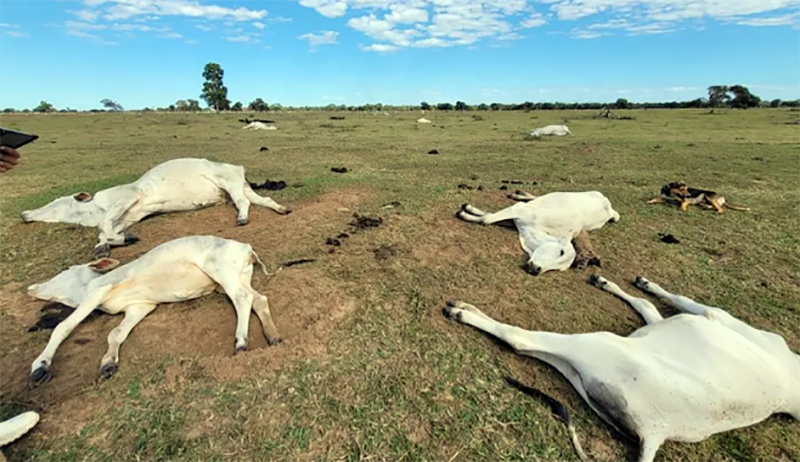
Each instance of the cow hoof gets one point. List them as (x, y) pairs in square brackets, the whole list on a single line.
[(274, 341), (242, 221), (240, 349), (40, 375), (464, 206), (107, 370), (641, 282), (130, 239), (598, 281), (450, 310), (594, 262), (286, 211), (102, 251)]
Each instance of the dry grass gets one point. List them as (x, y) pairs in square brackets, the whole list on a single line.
[(369, 368)]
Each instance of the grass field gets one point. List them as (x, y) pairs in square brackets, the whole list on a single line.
[(369, 368)]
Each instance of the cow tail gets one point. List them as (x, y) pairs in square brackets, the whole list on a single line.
[(558, 409), (262, 265)]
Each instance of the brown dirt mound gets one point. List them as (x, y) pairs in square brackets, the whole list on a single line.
[(305, 305)]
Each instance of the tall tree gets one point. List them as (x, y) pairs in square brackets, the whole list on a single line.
[(44, 106), (742, 98), (112, 105), (259, 105), (718, 96), (215, 93)]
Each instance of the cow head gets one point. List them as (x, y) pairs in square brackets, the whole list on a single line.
[(78, 209), (69, 286), (554, 255)]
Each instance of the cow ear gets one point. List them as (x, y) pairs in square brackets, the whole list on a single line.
[(82, 197), (104, 265)]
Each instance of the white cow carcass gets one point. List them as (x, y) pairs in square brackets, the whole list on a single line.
[(423, 120), (681, 379), (547, 224), (176, 271), (260, 126), (173, 186), (551, 130)]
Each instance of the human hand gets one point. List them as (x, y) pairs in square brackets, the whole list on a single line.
[(8, 158)]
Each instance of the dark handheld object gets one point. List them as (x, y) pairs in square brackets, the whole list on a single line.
[(14, 139)]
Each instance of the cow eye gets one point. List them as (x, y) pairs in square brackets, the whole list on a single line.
[(562, 253)]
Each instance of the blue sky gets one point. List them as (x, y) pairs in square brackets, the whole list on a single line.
[(315, 52)]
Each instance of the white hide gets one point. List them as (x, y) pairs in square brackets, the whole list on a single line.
[(173, 186), (259, 126), (551, 130), (682, 379), (423, 120), (13, 428), (176, 271), (548, 224)]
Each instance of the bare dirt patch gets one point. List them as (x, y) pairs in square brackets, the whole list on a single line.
[(305, 305)]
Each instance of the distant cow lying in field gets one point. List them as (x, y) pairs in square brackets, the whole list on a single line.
[(548, 224), (551, 130), (683, 379), (176, 271), (174, 186)]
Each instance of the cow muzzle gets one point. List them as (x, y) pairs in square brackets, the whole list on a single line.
[(532, 269), (26, 217)]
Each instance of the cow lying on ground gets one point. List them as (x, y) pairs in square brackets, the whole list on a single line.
[(178, 270), (174, 186), (551, 130), (548, 224), (683, 379)]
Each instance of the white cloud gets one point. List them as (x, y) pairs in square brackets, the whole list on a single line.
[(259, 25), (327, 8), (125, 9), (442, 23), (91, 30), (379, 48), (16, 34), (534, 20), (323, 38), (238, 38), (106, 15), (784, 20)]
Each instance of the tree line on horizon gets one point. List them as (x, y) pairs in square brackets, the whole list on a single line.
[(215, 94)]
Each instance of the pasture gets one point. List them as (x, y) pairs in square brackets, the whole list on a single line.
[(369, 368)]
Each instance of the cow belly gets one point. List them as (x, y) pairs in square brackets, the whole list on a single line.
[(167, 283), (701, 378), (182, 196)]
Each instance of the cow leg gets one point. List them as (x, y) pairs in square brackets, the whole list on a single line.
[(241, 203), (227, 275), (646, 309), (265, 201), (521, 340), (40, 369), (261, 307), (508, 213), (133, 316), (584, 251), (680, 302), (521, 196), (110, 229)]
